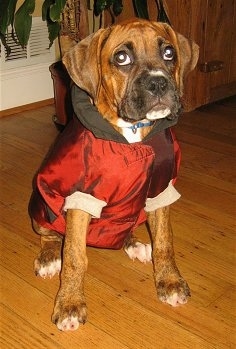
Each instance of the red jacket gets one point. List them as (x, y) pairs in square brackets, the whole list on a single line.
[(120, 177), (115, 182)]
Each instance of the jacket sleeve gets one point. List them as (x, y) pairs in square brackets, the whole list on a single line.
[(61, 181), (62, 172), (54, 187)]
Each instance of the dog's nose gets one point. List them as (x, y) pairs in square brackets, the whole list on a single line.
[(156, 85)]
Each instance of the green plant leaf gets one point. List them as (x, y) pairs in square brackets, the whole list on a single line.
[(53, 27), (100, 6), (23, 21), (141, 8), (53, 31), (45, 9), (56, 9), (117, 7), (7, 12)]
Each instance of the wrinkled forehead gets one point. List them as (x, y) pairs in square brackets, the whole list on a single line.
[(145, 39)]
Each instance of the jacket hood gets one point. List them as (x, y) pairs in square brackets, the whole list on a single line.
[(89, 116)]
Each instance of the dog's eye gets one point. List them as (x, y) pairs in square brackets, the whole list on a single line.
[(122, 58), (168, 53)]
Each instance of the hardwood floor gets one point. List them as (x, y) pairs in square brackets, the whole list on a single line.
[(124, 312)]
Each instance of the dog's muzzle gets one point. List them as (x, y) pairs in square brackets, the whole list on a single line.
[(152, 96)]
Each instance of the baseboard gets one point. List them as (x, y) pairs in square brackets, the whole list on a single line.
[(26, 107)]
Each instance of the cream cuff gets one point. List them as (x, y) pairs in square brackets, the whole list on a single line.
[(165, 198), (85, 202)]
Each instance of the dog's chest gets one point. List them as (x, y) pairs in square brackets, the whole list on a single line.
[(131, 133), (132, 136)]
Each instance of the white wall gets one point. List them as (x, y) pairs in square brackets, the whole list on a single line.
[(24, 74), (25, 85)]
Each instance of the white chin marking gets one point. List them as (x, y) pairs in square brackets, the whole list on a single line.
[(160, 114)]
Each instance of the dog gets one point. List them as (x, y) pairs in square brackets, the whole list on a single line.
[(115, 164)]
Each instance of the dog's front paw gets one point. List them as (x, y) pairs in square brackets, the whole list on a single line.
[(69, 317), (47, 269), (143, 252), (173, 292)]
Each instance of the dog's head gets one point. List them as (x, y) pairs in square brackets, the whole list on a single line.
[(133, 70)]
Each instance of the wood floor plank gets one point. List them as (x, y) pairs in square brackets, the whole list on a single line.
[(39, 329), (17, 333)]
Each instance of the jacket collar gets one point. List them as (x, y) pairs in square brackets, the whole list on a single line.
[(89, 116)]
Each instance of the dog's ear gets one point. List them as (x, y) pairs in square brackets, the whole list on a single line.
[(83, 62), (189, 52)]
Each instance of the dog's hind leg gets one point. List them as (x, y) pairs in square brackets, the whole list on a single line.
[(48, 262), (136, 249)]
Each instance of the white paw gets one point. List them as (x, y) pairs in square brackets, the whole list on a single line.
[(175, 300), (68, 324), (49, 270), (143, 252)]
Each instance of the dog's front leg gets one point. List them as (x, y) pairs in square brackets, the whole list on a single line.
[(70, 306), (171, 287)]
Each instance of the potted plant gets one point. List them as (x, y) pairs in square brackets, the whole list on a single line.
[(67, 21)]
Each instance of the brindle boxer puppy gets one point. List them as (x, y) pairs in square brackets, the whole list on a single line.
[(115, 167)]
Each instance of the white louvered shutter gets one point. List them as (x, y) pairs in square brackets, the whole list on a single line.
[(37, 50)]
